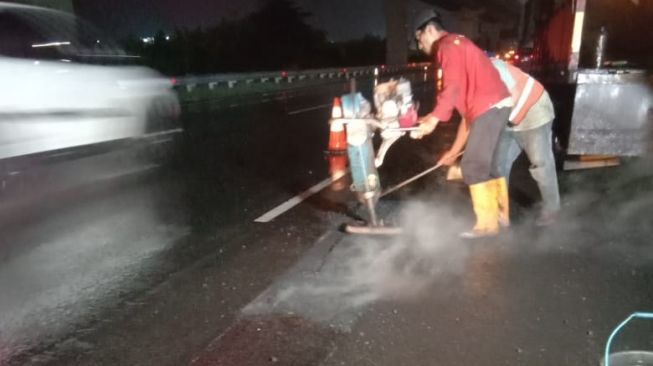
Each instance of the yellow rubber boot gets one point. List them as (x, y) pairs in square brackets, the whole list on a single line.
[(486, 209), (503, 201)]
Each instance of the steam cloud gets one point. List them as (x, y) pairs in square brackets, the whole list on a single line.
[(606, 214)]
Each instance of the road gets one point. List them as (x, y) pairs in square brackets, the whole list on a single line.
[(167, 266)]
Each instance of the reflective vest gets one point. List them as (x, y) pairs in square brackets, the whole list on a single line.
[(524, 88)]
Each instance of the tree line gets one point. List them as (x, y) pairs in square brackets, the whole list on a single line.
[(275, 37)]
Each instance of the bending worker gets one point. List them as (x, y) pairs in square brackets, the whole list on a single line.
[(529, 129), (473, 86)]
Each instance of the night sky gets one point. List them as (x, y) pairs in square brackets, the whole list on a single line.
[(340, 19)]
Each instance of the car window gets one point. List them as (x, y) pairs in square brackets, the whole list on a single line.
[(19, 39), (78, 36), (50, 35)]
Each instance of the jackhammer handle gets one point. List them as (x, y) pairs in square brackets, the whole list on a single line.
[(403, 129), (414, 178)]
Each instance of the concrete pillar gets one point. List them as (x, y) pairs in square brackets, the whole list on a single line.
[(396, 32), (521, 27)]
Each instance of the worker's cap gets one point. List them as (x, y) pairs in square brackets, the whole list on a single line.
[(424, 17)]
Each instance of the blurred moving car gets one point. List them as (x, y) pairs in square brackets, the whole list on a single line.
[(64, 85), (74, 108)]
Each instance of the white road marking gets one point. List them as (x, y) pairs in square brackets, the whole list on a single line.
[(270, 215), (309, 109), (162, 133)]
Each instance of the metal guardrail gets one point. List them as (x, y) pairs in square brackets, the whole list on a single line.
[(189, 83)]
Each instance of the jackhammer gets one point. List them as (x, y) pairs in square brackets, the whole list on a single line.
[(396, 114)]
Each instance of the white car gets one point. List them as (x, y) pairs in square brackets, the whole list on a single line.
[(64, 85)]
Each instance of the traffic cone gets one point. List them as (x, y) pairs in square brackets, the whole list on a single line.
[(337, 136), (338, 169), (336, 110), (337, 149)]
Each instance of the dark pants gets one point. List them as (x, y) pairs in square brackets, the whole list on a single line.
[(478, 165)]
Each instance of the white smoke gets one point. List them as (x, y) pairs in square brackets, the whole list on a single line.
[(606, 215), (361, 269)]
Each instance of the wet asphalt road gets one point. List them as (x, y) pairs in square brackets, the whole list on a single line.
[(167, 267)]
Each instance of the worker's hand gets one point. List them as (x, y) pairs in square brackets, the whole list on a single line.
[(425, 126), (449, 158)]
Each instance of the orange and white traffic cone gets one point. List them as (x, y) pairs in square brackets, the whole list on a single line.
[(337, 137), (336, 110), (337, 149), (338, 169)]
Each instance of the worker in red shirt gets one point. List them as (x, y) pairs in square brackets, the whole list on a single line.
[(472, 86)]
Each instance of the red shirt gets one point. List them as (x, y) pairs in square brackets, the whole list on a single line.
[(469, 81)]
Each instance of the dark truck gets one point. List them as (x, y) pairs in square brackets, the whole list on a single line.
[(595, 58)]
